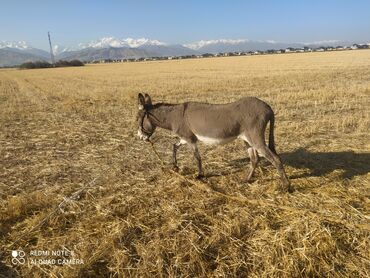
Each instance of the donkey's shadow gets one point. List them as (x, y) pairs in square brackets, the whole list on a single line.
[(321, 163)]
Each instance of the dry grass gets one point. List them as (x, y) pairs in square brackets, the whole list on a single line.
[(62, 128)]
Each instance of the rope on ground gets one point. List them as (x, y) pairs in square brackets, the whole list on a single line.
[(68, 199)]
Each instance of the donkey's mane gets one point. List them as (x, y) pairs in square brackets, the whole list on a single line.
[(161, 104)]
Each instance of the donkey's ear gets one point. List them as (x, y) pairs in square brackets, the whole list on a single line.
[(148, 99), (141, 101)]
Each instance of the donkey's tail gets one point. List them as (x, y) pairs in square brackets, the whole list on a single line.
[(271, 134)]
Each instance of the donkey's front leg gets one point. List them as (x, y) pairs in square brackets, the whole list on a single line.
[(195, 150), (176, 146), (174, 159)]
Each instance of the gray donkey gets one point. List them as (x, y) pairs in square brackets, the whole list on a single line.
[(246, 119)]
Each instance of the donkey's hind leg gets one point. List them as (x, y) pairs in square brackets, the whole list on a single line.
[(253, 155), (194, 148), (275, 160)]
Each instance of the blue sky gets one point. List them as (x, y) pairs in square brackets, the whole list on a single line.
[(71, 22)]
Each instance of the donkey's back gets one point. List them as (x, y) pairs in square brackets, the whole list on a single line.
[(246, 117)]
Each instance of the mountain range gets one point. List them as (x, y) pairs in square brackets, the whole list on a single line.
[(15, 53)]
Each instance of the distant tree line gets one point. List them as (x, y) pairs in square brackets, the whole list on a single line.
[(44, 64)]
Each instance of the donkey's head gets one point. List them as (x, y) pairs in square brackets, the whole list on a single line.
[(145, 122)]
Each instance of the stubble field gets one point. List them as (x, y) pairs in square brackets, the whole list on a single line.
[(75, 177)]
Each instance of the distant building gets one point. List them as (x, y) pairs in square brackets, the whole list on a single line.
[(207, 55), (289, 49)]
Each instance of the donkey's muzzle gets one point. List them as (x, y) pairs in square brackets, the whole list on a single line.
[(143, 136)]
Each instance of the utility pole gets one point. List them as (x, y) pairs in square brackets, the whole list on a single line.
[(51, 50)]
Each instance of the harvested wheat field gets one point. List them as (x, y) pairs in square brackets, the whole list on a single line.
[(75, 177)]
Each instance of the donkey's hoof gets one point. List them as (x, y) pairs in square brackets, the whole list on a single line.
[(287, 188), (249, 180), (175, 168), (200, 177)]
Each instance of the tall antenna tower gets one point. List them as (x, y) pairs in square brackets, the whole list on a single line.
[(51, 50)]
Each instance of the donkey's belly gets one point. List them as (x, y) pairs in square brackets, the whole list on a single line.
[(214, 141)]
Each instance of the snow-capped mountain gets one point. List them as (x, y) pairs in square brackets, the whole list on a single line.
[(21, 45), (113, 42), (13, 53), (236, 45), (17, 52), (159, 48), (114, 53), (121, 49), (108, 42), (58, 49), (203, 43), (220, 45), (168, 50)]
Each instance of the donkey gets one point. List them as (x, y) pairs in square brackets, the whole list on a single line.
[(246, 119)]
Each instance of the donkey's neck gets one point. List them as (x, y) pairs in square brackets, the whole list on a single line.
[(163, 114)]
